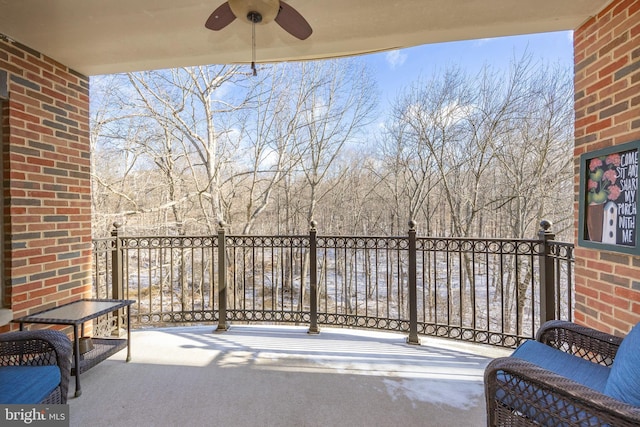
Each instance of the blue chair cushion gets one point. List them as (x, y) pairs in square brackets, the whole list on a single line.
[(582, 371), (27, 384), (624, 380)]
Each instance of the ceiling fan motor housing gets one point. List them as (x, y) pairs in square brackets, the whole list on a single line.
[(255, 11)]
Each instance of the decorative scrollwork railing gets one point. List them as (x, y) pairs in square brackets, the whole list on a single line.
[(491, 291)]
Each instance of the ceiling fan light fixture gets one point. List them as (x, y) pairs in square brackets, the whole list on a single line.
[(251, 9), (254, 17), (260, 12)]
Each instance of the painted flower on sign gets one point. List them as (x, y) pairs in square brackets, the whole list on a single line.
[(602, 179)]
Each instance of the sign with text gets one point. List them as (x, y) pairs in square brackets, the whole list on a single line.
[(34, 415), (609, 198)]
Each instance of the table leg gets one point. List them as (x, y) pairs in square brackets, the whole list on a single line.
[(128, 333), (76, 358)]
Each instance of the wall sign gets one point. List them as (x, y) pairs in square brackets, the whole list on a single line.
[(609, 199)]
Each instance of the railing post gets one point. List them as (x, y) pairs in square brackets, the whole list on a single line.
[(313, 280), (116, 274), (222, 279), (116, 262), (413, 285), (547, 273)]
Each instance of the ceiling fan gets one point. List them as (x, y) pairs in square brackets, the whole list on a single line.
[(260, 12)]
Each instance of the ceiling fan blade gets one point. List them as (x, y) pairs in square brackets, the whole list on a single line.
[(220, 18), (292, 22)]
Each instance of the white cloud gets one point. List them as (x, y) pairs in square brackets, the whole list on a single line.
[(447, 115), (482, 42), (395, 58)]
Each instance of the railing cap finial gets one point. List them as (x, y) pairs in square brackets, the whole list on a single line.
[(545, 224), (412, 225)]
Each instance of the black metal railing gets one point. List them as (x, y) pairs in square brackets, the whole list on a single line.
[(493, 291)]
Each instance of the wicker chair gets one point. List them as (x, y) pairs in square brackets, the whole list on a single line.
[(521, 393), (37, 349)]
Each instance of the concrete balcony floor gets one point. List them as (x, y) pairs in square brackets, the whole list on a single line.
[(262, 375)]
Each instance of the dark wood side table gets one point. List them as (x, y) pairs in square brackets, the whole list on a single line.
[(76, 314)]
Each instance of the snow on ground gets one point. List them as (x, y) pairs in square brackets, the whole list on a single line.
[(461, 395)]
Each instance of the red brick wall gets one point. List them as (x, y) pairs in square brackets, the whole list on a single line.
[(46, 181), (607, 97)]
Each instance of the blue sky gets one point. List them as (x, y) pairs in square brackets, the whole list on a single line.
[(398, 69)]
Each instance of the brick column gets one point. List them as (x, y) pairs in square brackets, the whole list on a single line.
[(607, 96), (46, 181)]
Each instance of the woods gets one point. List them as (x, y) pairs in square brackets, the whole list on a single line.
[(486, 155)]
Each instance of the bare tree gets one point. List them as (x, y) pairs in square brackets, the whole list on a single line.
[(534, 168), (462, 155), (487, 147), (268, 154), (336, 102), (195, 112), (115, 130)]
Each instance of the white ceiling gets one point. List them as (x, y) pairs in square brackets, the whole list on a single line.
[(109, 36)]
